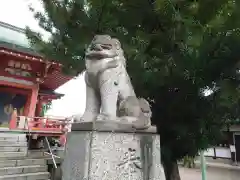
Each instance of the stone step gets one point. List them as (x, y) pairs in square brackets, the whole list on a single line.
[(27, 176), (23, 155), (10, 134), (21, 162), (13, 143), (36, 153), (12, 149), (7, 155), (12, 137), (22, 169)]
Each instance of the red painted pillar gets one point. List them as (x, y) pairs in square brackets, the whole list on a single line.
[(32, 102), (39, 108), (31, 106), (13, 120)]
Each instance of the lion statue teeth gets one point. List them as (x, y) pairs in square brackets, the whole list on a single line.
[(109, 92)]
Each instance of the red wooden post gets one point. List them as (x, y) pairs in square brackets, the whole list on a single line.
[(32, 101), (39, 108), (13, 120), (63, 139)]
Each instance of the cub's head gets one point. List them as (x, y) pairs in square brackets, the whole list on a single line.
[(103, 46), (132, 106)]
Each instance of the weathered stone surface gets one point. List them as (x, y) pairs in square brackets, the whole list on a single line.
[(36, 153), (109, 87), (108, 126), (107, 144), (16, 163), (21, 162), (22, 169), (12, 149), (5, 143), (12, 154), (98, 153), (27, 176), (12, 137)]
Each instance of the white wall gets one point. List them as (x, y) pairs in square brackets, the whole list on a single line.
[(73, 102), (221, 152)]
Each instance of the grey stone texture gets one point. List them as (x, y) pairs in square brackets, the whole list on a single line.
[(106, 150), (114, 139), (16, 162), (109, 91), (12, 145)]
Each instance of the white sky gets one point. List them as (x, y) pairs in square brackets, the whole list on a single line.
[(16, 12)]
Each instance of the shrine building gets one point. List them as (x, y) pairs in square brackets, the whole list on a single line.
[(27, 81)]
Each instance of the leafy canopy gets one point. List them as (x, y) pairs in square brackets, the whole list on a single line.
[(175, 50)]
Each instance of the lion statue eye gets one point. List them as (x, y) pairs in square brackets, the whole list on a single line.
[(106, 46)]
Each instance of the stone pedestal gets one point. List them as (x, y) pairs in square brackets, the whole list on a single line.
[(111, 151)]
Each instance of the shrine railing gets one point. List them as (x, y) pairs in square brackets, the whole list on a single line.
[(44, 124)]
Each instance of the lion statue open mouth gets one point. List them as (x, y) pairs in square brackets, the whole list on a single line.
[(110, 94)]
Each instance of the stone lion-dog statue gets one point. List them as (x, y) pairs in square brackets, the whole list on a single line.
[(109, 92)]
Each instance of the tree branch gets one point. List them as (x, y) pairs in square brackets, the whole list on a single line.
[(158, 24), (101, 16)]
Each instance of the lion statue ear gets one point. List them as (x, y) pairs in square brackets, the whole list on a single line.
[(145, 107), (116, 43), (101, 39)]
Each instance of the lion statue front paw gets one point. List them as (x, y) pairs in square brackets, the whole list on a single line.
[(105, 117)]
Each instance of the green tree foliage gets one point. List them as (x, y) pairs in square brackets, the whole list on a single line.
[(175, 50)]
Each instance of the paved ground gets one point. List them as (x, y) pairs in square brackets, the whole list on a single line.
[(212, 174)]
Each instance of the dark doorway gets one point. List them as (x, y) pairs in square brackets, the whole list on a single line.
[(237, 143), (9, 101)]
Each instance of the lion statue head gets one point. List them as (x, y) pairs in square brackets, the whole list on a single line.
[(105, 47)]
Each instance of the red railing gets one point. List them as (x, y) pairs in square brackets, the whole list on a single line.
[(44, 124)]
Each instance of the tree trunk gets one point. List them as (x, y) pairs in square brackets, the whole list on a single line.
[(171, 171)]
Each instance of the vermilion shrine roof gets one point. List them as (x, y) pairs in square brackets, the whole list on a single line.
[(14, 43)]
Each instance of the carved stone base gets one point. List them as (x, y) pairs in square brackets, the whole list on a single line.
[(112, 151)]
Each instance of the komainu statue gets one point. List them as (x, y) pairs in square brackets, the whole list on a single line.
[(110, 94)]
